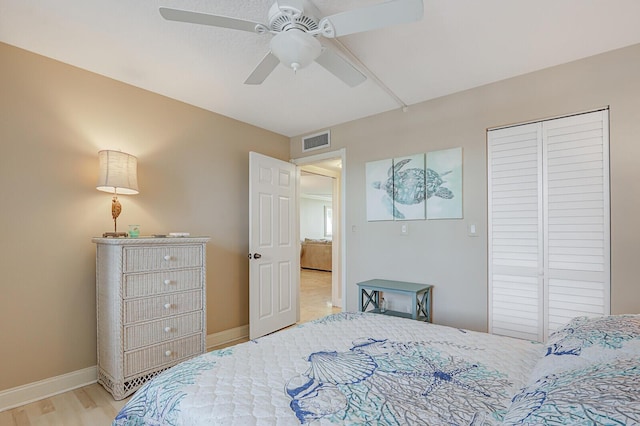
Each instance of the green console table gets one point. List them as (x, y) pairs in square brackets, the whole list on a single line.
[(420, 293)]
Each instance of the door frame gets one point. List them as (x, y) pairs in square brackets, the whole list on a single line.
[(339, 277)]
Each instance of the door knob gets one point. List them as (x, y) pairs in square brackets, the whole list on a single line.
[(257, 256)]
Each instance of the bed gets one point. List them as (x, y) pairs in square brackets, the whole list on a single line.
[(363, 368)]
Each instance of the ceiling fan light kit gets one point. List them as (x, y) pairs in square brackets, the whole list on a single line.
[(295, 48), (296, 28)]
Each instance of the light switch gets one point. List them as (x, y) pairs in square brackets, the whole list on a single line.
[(472, 231), (404, 229)]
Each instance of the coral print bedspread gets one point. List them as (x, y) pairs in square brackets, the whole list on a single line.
[(589, 375), (348, 368)]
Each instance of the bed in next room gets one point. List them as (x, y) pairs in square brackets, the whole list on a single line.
[(363, 368)]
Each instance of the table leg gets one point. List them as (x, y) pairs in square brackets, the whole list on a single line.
[(424, 306), (414, 312), (373, 297)]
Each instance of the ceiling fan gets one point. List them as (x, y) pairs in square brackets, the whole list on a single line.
[(295, 27)]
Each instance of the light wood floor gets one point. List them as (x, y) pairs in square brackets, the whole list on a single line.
[(92, 405), (315, 295)]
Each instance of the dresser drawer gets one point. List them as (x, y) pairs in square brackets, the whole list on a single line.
[(165, 354), (140, 259), (151, 333), (149, 284), (151, 308)]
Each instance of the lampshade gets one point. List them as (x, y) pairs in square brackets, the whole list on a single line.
[(295, 48), (118, 172)]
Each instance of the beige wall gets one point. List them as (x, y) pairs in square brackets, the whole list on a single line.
[(439, 251), (193, 176)]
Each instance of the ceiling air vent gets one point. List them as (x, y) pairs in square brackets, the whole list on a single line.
[(316, 141)]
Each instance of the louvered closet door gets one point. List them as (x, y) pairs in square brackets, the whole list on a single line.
[(548, 188), (515, 232), (576, 206)]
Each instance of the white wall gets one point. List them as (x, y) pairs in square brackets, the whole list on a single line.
[(312, 218)]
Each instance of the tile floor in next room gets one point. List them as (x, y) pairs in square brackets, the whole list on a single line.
[(92, 405)]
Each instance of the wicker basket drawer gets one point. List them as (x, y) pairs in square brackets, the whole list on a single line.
[(150, 308), (140, 259), (139, 285), (157, 356), (151, 333)]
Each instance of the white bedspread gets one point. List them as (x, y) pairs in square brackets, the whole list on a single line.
[(349, 368)]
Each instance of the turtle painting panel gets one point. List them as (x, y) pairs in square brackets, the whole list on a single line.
[(379, 205), (444, 184), (408, 191)]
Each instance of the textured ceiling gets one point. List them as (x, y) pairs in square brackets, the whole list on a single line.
[(459, 44)]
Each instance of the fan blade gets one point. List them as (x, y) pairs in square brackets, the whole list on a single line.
[(340, 67), (213, 20), (372, 17), (264, 68)]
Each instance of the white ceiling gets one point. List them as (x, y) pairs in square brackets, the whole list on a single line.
[(459, 44)]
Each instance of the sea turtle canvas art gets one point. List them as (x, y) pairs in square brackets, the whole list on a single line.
[(410, 186), (448, 163), (377, 207), (403, 188), (399, 189)]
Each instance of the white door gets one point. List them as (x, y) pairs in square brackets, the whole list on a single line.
[(515, 232), (548, 199), (273, 249), (576, 222)]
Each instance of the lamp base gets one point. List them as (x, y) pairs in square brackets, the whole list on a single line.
[(115, 234)]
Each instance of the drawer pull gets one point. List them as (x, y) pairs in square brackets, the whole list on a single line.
[(168, 353), (168, 257), (167, 282), (167, 305), (167, 329)]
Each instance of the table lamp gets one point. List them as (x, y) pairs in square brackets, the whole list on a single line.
[(118, 175)]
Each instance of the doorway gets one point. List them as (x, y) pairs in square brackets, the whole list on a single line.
[(320, 218)]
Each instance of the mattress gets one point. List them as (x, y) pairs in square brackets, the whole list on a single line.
[(347, 368)]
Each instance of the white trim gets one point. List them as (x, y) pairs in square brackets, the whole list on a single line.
[(341, 235), (227, 336), (36, 391), (555, 117), (31, 392), (315, 197), (607, 208)]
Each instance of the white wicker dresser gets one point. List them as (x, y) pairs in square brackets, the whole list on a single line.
[(151, 307)]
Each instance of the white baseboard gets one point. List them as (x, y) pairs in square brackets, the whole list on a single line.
[(35, 391), (227, 336)]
